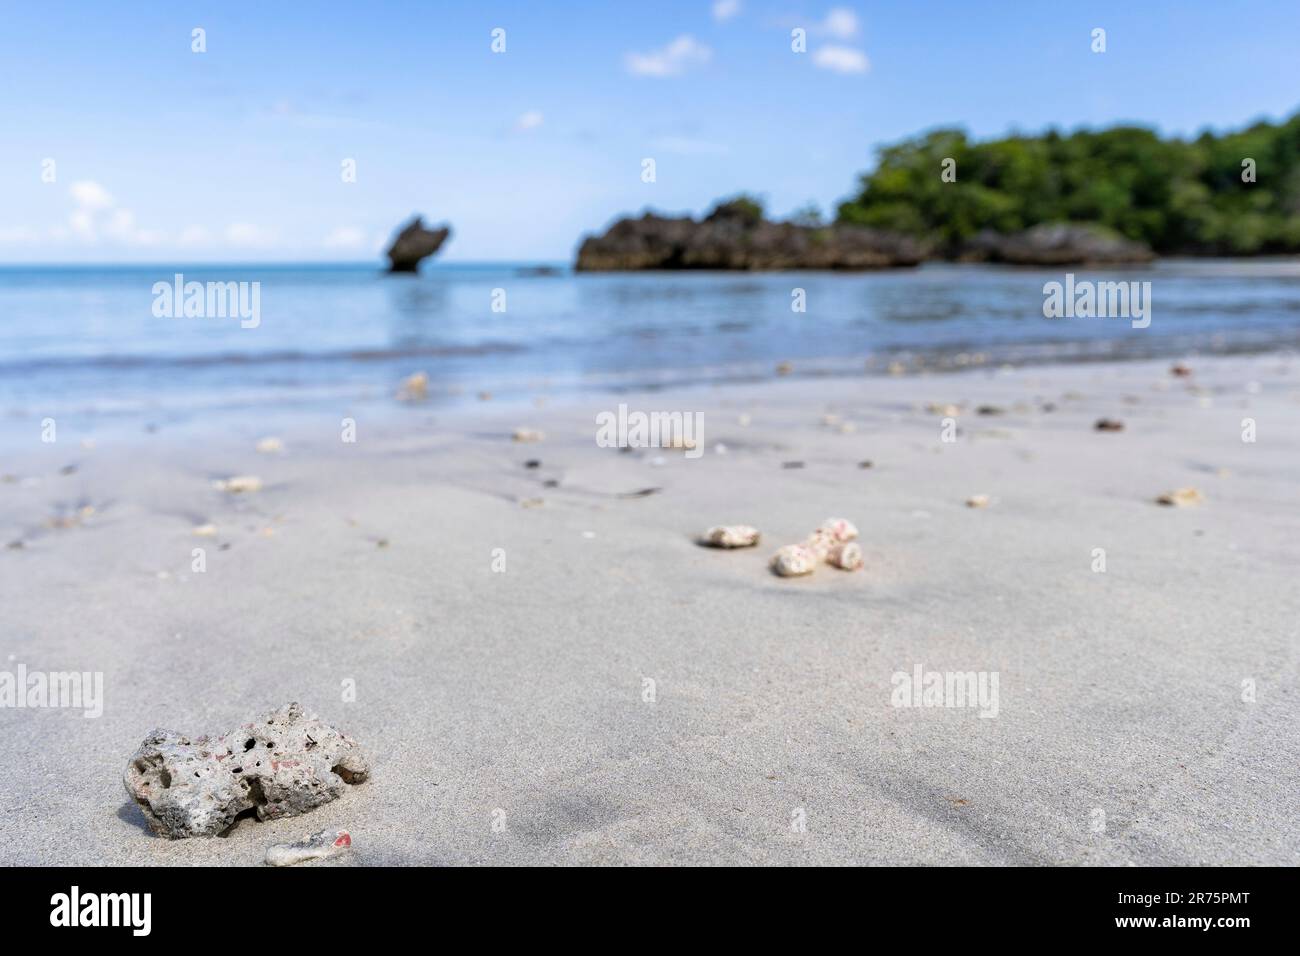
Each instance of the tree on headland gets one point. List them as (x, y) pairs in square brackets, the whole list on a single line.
[(1234, 194), (744, 207)]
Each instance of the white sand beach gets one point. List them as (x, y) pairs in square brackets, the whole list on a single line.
[(1146, 714)]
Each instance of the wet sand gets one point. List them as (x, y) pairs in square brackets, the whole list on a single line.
[(519, 696)]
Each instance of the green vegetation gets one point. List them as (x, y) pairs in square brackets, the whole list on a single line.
[(1178, 196), (745, 207)]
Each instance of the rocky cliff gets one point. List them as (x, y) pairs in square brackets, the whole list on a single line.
[(736, 236), (1055, 244)]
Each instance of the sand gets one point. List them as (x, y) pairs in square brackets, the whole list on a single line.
[(519, 697)]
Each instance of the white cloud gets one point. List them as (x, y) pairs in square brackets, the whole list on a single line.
[(725, 9), (90, 195), (96, 218), (345, 237), (529, 121), (674, 59), (83, 224), (97, 215), (840, 22), (245, 234), (21, 234), (194, 236), (841, 59)]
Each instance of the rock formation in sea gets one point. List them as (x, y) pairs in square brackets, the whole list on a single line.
[(415, 243), (1055, 244), (734, 235)]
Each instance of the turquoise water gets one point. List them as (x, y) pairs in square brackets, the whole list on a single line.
[(85, 341)]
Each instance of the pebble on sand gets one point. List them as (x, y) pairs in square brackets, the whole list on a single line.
[(239, 484), (413, 387), (731, 536), (946, 409), (204, 530), (522, 434), (978, 501), (1181, 498), (319, 846), (1109, 425), (1179, 370)]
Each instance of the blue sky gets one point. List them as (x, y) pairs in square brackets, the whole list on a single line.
[(162, 154)]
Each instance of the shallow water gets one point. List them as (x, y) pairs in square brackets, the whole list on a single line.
[(85, 341)]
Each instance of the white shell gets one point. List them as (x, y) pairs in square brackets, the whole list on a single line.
[(846, 556), (840, 529), (820, 543), (239, 484), (793, 560), (318, 846), (829, 543)]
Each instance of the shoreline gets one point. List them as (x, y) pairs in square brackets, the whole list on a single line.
[(377, 400), (344, 339)]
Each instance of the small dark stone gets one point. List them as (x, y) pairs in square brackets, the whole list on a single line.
[(641, 493)]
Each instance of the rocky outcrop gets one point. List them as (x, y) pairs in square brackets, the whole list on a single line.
[(735, 236), (279, 765), (1056, 244), (415, 243)]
